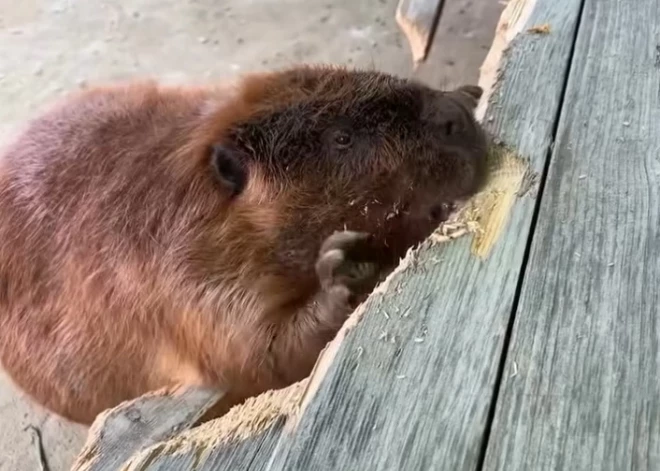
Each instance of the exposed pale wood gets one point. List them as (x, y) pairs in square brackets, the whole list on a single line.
[(417, 20), (461, 41), (408, 382), (120, 432), (585, 345)]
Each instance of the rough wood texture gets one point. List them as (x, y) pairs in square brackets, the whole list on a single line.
[(581, 389), (244, 438), (409, 381), (417, 19), (410, 385), (120, 432), (418, 397)]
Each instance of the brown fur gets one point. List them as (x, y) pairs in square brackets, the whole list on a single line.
[(126, 266)]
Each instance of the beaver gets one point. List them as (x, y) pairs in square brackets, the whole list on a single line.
[(215, 235)]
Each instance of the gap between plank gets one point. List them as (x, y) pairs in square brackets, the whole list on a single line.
[(521, 277)]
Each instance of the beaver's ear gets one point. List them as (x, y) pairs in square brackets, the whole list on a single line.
[(229, 167), (471, 92)]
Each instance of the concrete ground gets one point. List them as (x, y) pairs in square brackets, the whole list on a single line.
[(48, 47)]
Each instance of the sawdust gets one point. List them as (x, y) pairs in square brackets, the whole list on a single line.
[(242, 422), (485, 214), (540, 29)]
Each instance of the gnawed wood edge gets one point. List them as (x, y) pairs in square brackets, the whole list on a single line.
[(247, 421), (513, 20), (241, 423), (120, 432), (417, 19), (115, 438), (484, 216)]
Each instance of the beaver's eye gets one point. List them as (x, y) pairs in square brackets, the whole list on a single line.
[(342, 139)]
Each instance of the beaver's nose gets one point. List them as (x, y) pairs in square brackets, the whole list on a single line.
[(441, 212)]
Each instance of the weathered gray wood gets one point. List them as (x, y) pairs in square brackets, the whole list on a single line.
[(119, 433), (581, 388), (417, 19), (409, 381), (413, 404), (245, 438)]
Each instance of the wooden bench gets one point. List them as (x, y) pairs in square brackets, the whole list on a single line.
[(532, 344)]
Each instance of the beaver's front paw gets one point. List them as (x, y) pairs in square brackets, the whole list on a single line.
[(344, 267)]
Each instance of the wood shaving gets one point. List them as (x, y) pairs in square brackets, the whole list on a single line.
[(540, 29)]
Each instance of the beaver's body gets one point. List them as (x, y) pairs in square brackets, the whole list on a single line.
[(156, 235)]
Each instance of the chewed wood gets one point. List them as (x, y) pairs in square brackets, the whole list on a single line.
[(248, 431), (409, 382), (412, 384), (581, 389), (120, 432)]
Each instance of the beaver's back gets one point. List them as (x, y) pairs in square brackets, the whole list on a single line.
[(85, 194)]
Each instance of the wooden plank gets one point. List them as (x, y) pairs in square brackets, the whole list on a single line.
[(417, 19), (581, 389), (462, 39), (119, 433), (245, 438), (411, 404), (408, 381)]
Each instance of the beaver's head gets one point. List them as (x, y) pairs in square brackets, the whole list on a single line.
[(320, 149)]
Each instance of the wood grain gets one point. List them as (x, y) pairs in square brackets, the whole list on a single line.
[(581, 389), (119, 433), (409, 382), (421, 400), (244, 438), (417, 19)]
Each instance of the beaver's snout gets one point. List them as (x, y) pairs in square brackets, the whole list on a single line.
[(440, 213)]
